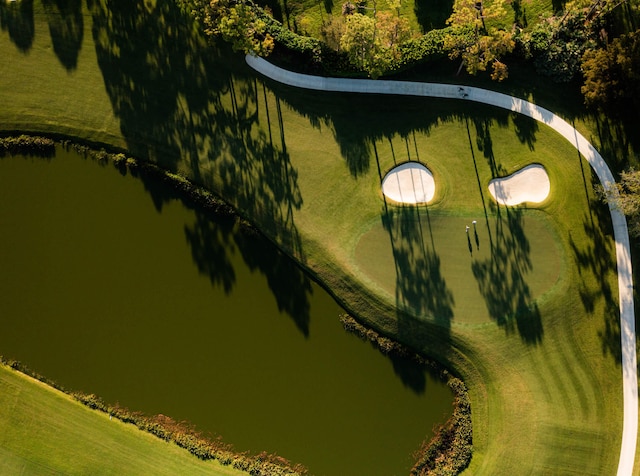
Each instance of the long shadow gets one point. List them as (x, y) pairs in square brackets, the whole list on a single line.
[(502, 279), (618, 140), (189, 106), (66, 27), (358, 122), (484, 142), (526, 129), (421, 290), (595, 264), (17, 19), (213, 241), (480, 186), (145, 65), (288, 282), (212, 246), (216, 236)]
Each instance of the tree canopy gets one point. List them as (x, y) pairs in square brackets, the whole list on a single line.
[(237, 22), (479, 46), (625, 195), (371, 43), (612, 74)]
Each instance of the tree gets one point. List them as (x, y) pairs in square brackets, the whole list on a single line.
[(359, 42), (557, 44), (236, 21), (625, 196), (477, 45), (392, 31), (372, 44), (612, 74)]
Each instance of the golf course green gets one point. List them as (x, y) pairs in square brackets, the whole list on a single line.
[(526, 314)]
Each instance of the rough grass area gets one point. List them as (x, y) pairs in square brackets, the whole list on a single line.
[(542, 371), (45, 431)]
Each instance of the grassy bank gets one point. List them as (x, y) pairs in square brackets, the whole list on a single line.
[(541, 354), (47, 431)]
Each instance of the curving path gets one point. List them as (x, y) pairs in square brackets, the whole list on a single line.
[(621, 235)]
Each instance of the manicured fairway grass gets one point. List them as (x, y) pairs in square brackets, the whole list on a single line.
[(544, 378), (47, 432)]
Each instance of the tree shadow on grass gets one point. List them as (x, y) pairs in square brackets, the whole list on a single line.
[(190, 107), (358, 122), (421, 290), (182, 102), (595, 265), (484, 143), (17, 19), (618, 141), (502, 278), (66, 27), (526, 129)]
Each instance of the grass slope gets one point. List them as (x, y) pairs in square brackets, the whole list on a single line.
[(542, 367), (45, 431)]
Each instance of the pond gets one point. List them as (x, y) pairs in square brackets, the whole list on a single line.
[(164, 308)]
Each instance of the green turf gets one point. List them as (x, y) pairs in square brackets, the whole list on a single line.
[(544, 378), (486, 272), (47, 432)]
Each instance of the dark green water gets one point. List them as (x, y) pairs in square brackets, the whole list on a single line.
[(164, 310)]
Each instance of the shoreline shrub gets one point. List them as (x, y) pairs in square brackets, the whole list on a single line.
[(450, 450), (27, 145)]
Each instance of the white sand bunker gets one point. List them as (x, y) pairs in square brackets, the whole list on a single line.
[(409, 183), (530, 184)]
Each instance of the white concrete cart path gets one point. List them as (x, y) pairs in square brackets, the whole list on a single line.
[(621, 235)]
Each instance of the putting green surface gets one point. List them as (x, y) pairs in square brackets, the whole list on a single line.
[(491, 273)]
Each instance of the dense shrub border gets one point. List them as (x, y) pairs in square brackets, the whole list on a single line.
[(187, 189), (23, 144), (447, 453)]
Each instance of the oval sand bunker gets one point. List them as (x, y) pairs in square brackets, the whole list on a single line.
[(409, 183), (530, 184)]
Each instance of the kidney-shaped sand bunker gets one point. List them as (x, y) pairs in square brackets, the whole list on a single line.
[(530, 184), (409, 183)]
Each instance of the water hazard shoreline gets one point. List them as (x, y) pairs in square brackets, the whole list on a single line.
[(299, 328)]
